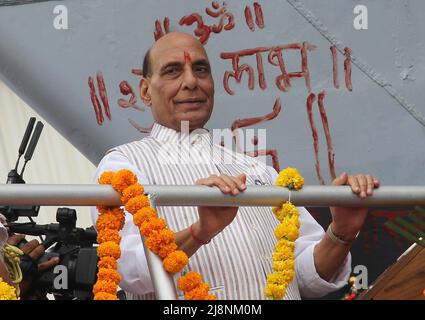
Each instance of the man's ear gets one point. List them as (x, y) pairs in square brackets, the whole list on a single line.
[(144, 91)]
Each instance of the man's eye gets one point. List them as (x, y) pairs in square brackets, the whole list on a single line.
[(201, 69), (171, 71)]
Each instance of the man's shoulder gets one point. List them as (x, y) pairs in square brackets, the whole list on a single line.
[(131, 145)]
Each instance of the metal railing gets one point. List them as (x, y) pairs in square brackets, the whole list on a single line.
[(309, 196)]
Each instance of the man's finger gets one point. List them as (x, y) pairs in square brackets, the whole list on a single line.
[(37, 252), (30, 246), (242, 181), (15, 239), (341, 180), (355, 187), (370, 185), (363, 185), (214, 181), (231, 183), (48, 264), (376, 182)]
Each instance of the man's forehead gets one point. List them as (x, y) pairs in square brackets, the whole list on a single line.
[(175, 49)]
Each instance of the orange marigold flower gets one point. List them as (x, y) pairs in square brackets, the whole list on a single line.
[(154, 224), (135, 204), (158, 239), (103, 209), (143, 215), (211, 297), (117, 211), (108, 275), (175, 261), (132, 191), (107, 263), (110, 221), (167, 249), (109, 248), (105, 296), (198, 293), (189, 281), (123, 179), (105, 286), (108, 235), (106, 177)]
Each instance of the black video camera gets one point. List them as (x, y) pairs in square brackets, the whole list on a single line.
[(75, 275)]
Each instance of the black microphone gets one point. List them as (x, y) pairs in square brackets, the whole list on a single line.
[(25, 140), (33, 144)]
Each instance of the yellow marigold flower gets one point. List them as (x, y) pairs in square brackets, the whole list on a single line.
[(105, 286), (282, 277), (123, 179), (198, 293), (286, 231), (143, 215), (293, 221), (108, 275), (135, 204), (7, 292), (132, 191), (110, 221), (175, 261), (275, 292), (107, 263), (283, 265), (108, 235), (291, 178), (159, 238), (283, 254), (283, 244), (109, 249), (292, 233), (105, 296), (189, 281), (106, 177), (154, 224), (275, 278), (289, 209)]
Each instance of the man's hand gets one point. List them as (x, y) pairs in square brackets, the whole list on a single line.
[(213, 220), (34, 250), (346, 221)]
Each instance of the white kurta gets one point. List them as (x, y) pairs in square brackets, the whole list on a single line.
[(236, 262)]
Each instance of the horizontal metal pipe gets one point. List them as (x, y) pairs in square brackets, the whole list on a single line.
[(311, 196)]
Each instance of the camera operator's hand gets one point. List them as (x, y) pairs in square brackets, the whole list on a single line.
[(33, 251)]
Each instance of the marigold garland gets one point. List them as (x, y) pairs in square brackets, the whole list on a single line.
[(286, 233), (7, 292), (110, 221), (107, 263), (159, 239)]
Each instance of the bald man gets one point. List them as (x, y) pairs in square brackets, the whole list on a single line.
[(231, 247)]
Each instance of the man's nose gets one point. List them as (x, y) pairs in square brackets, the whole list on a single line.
[(190, 81)]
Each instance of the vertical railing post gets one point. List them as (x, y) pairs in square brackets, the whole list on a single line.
[(163, 282)]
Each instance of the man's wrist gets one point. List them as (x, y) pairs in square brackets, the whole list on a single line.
[(200, 236), (341, 237)]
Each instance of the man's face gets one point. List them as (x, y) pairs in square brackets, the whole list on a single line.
[(180, 87)]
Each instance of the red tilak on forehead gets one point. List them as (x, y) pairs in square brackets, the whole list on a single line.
[(187, 57)]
